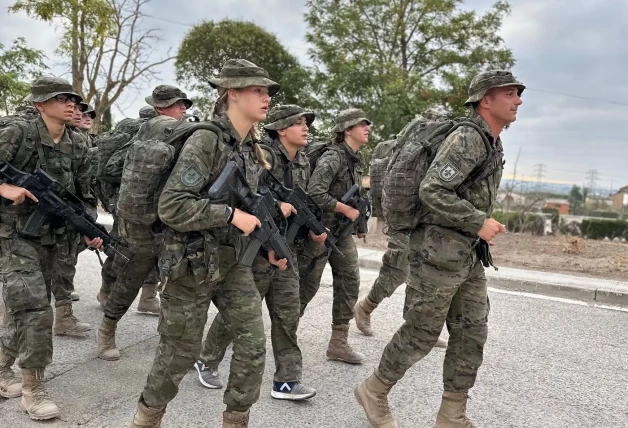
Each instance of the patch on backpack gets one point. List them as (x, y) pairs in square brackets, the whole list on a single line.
[(192, 176), (448, 172)]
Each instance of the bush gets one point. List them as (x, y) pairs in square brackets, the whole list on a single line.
[(517, 222), (600, 229), (605, 214), (554, 215)]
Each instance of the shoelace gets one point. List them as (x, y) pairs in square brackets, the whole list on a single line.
[(39, 393), (383, 406)]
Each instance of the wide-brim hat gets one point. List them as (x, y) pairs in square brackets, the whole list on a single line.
[(164, 96), (486, 81), (348, 118), (45, 88), (282, 117), (91, 112), (240, 73)]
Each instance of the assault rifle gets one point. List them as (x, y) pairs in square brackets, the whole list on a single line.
[(363, 205), (304, 216), (55, 201), (261, 205)]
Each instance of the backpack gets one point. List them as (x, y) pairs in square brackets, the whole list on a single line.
[(411, 157), (148, 164), (316, 149), (377, 172)]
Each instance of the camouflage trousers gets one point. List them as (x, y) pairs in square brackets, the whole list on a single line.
[(450, 288), (142, 252), (108, 272), (346, 279), (394, 271), (67, 244), (184, 305), (26, 270), (281, 291)]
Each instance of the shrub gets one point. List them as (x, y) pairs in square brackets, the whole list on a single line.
[(600, 229), (518, 222), (605, 214)]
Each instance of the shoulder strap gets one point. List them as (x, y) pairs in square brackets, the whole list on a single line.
[(28, 143)]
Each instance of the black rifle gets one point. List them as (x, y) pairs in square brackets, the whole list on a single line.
[(304, 216), (261, 205), (55, 201), (363, 205)]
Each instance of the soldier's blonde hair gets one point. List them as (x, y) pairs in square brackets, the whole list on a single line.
[(222, 103)]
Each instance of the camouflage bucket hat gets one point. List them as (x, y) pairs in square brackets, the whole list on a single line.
[(284, 116), (348, 118), (240, 73), (45, 88), (481, 84), (84, 107), (90, 111), (147, 112), (165, 95)]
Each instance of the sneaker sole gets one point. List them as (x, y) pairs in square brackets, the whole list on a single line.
[(205, 384), (291, 397)]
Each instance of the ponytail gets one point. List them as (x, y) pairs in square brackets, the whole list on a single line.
[(221, 103)]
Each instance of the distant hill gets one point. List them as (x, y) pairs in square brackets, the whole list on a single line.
[(525, 186)]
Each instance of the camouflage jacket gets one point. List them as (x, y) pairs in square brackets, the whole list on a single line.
[(458, 157), (288, 171), (66, 161), (337, 170)]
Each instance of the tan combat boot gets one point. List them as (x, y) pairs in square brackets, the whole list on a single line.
[(67, 324), (35, 399), (453, 411), (10, 382), (339, 348), (106, 338), (103, 294), (235, 419), (362, 314), (149, 303), (147, 417), (372, 394)]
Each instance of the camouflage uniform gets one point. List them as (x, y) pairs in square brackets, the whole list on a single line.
[(279, 288), (199, 264)]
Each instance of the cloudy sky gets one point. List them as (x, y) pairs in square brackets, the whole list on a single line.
[(570, 53)]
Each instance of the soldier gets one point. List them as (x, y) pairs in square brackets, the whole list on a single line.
[(85, 125), (287, 130), (447, 280), (27, 264), (336, 171), (215, 229), (170, 103), (147, 112)]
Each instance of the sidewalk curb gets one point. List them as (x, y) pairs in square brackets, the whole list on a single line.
[(598, 295)]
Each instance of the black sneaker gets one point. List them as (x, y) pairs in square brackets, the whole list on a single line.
[(293, 391), (209, 377)]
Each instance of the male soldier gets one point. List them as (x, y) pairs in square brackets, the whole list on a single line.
[(170, 103), (447, 280), (337, 170), (27, 263), (85, 125)]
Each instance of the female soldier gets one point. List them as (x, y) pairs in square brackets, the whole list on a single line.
[(287, 136), (199, 259)]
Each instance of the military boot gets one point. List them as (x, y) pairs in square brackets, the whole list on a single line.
[(10, 382), (149, 303), (103, 294), (147, 417), (106, 338), (339, 348), (362, 314), (372, 394), (35, 399), (235, 419), (67, 324), (453, 411)]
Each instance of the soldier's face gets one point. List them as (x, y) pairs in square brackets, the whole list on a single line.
[(77, 116), (252, 101), (360, 132), (503, 104), (60, 108), (296, 135), (176, 110), (86, 122)]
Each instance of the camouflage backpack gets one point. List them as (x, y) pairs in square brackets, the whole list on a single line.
[(29, 136), (316, 149), (148, 164), (377, 172), (416, 148)]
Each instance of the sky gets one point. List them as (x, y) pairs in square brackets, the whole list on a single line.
[(571, 55)]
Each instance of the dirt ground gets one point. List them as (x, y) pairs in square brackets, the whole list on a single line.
[(558, 254)]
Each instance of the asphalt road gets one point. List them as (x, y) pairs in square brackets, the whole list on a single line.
[(549, 363)]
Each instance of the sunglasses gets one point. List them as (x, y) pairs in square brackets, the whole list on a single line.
[(64, 98)]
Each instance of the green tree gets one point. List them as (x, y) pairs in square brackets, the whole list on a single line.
[(19, 66), (396, 58), (576, 200), (208, 45)]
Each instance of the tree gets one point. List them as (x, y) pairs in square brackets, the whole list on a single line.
[(576, 200), (208, 45), (109, 48), (19, 66), (396, 58)]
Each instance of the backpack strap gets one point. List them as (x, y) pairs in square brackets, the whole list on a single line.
[(28, 143)]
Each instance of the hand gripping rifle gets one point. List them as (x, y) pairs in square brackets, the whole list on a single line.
[(261, 205), (363, 205), (55, 201), (304, 216)]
